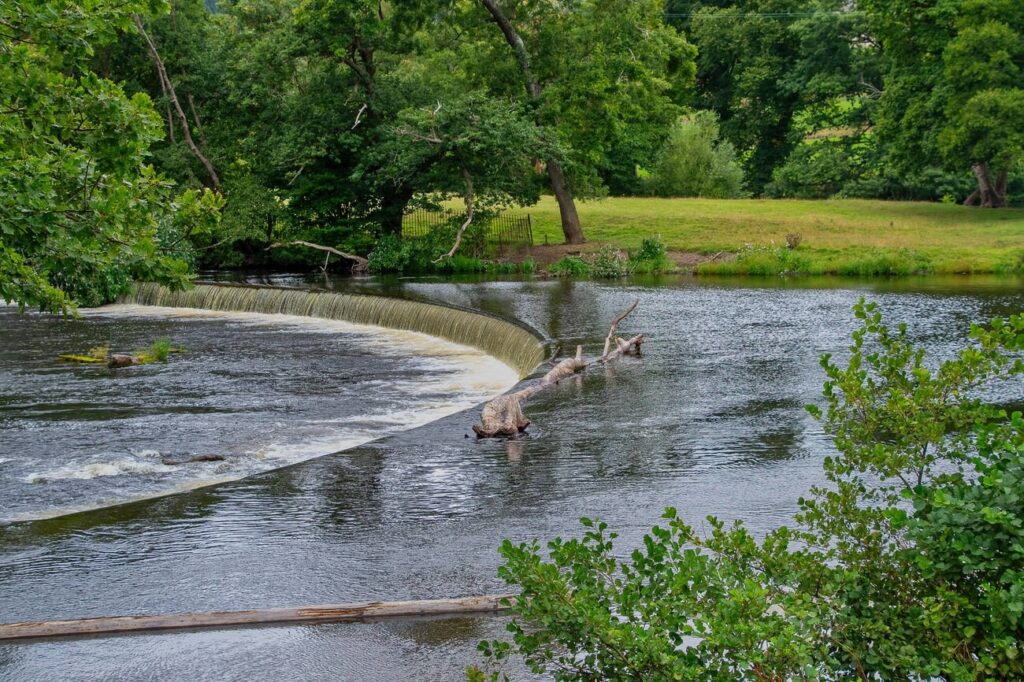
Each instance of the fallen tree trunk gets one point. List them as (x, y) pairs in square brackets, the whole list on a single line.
[(326, 613), (504, 416)]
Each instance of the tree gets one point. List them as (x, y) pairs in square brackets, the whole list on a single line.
[(954, 91), (478, 147), (590, 70), (695, 163), (775, 71), (907, 565), (81, 213)]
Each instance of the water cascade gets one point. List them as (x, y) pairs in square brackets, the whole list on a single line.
[(514, 345)]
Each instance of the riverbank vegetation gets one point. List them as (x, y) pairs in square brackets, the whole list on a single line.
[(143, 140), (906, 565)]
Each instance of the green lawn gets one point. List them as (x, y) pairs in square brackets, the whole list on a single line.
[(837, 236)]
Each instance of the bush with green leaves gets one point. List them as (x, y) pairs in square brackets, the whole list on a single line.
[(694, 163), (570, 266), (907, 565), (651, 257), (609, 263)]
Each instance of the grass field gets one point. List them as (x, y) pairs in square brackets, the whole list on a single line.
[(858, 237)]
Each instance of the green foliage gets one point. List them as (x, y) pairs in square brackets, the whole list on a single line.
[(81, 214), (695, 163), (611, 76), (651, 258), (773, 72), (158, 351), (609, 263), (953, 90), (813, 171), (390, 254), (768, 261), (907, 565), (570, 266)]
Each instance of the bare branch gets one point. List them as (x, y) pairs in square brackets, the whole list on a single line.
[(361, 264), (468, 198), (358, 116), (416, 135), (615, 325), (169, 89)]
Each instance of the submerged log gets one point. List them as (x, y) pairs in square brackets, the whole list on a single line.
[(325, 613), (504, 416), (171, 461), (83, 359)]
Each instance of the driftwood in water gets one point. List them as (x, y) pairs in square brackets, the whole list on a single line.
[(171, 461), (504, 416), (327, 613)]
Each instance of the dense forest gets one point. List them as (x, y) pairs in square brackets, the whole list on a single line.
[(145, 139)]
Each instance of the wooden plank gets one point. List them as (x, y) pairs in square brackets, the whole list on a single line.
[(324, 613)]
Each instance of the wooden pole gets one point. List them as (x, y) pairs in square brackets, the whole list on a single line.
[(325, 613)]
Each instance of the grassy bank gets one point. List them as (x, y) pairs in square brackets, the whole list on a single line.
[(855, 237)]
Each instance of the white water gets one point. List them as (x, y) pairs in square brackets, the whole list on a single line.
[(451, 378)]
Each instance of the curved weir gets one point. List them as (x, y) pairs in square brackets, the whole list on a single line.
[(511, 343)]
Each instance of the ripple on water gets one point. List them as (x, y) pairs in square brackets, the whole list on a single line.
[(259, 391), (708, 421)]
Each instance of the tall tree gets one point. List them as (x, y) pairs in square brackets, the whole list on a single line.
[(81, 213), (772, 69), (955, 90), (589, 69)]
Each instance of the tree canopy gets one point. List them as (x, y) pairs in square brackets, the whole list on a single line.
[(81, 211), (130, 130)]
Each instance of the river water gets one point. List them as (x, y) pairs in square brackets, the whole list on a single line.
[(710, 421)]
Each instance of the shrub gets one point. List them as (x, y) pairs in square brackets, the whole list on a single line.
[(391, 254), (609, 263), (651, 257), (694, 163), (814, 170), (909, 564), (570, 266)]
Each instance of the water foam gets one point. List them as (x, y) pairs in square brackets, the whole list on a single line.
[(477, 377)]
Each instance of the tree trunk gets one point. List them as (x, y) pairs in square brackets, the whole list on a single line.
[(571, 227), (393, 201), (504, 416), (992, 193), (1002, 179)]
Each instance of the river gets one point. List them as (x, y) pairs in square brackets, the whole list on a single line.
[(710, 420)]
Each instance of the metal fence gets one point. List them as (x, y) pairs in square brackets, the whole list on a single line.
[(499, 232)]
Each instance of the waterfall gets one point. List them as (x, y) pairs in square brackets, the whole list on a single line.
[(511, 343)]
